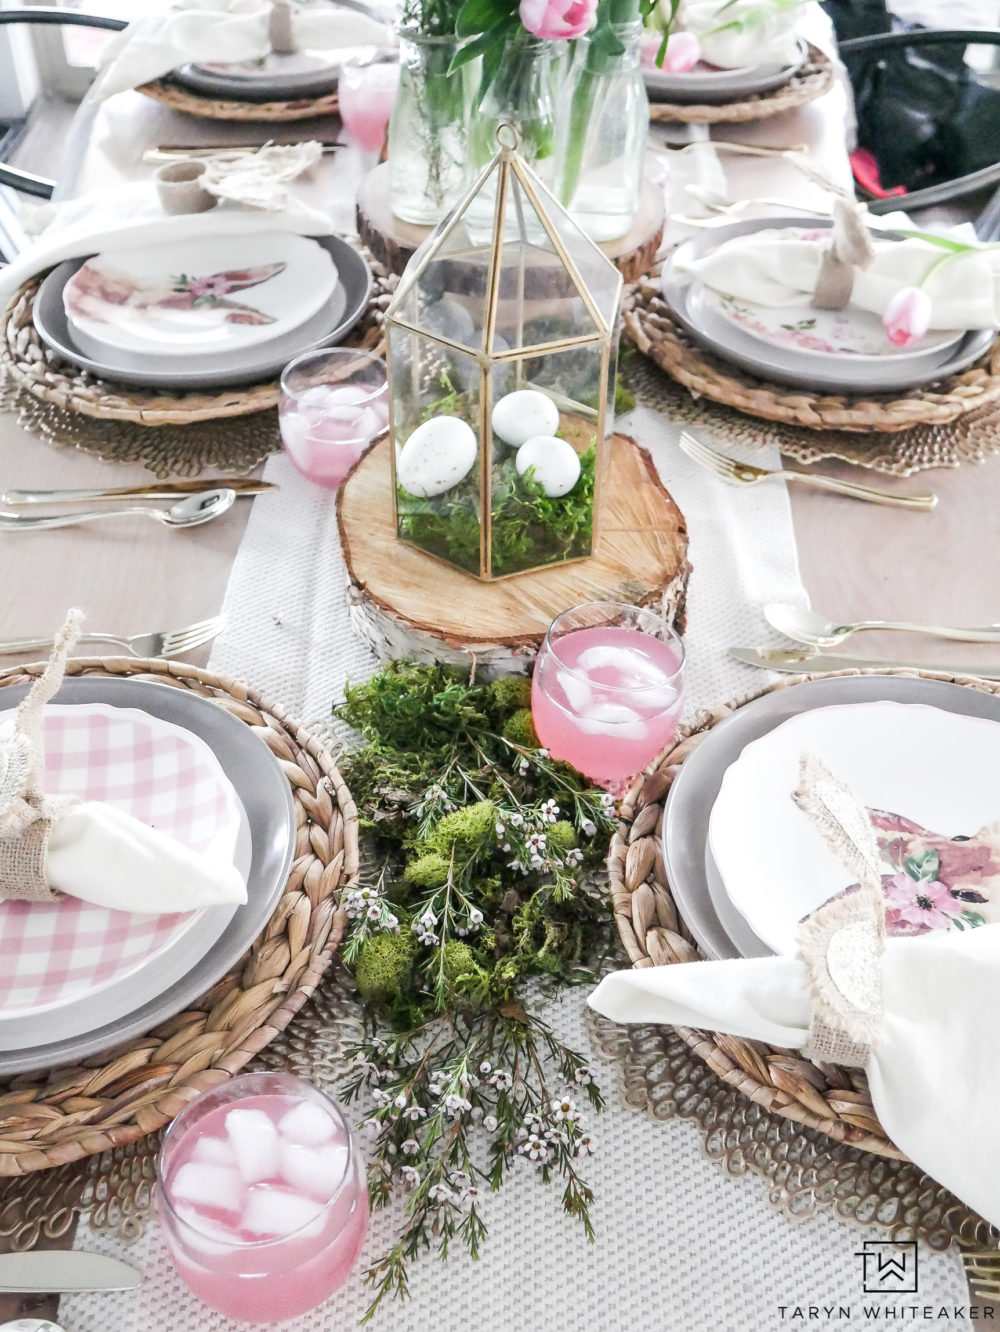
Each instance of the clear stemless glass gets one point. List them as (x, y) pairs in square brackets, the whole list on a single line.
[(366, 90), (607, 690), (262, 1197), (333, 403)]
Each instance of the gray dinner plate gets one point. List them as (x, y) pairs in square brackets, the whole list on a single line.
[(266, 796), (274, 86), (771, 363), (715, 87), (694, 790), (325, 329)]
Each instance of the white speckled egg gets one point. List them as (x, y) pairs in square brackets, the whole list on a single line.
[(438, 455), (521, 416), (557, 467)]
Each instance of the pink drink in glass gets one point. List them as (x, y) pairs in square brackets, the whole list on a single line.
[(606, 694), (262, 1197), (366, 92), (332, 405)]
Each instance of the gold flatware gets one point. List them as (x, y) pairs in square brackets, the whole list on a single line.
[(804, 662), (170, 152), (747, 474), (243, 485)]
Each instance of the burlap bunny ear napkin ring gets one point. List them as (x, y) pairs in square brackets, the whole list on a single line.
[(26, 812), (850, 248), (841, 944)]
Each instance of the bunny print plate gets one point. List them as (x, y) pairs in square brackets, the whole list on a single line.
[(202, 297), (249, 365)]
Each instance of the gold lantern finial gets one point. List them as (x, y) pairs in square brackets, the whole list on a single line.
[(502, 347)]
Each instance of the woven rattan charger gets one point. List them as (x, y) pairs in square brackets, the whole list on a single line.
[(214, 108), (811, 81), (651, 327), (821, 1096), (36, 368), (117, 1097)]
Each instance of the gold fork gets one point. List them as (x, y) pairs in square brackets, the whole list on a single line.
[(740, 473)]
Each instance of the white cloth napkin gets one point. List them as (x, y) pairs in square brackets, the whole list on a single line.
[(132, 215), (222, 31), (746, 33), (935, 1076), (774, 269), (105, 856)]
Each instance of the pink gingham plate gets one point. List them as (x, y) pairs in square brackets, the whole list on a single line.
[(64, 952)]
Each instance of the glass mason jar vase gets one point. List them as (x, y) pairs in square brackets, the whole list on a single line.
[(521, 95), (602, 139), (428, 129)]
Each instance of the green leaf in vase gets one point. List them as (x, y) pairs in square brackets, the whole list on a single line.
[(482, 16)]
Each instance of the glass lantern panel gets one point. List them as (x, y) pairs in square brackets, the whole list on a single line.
[(435, 401), (542, 490), (594, 271)]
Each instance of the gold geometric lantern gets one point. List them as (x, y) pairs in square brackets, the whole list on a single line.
[(502, 355)]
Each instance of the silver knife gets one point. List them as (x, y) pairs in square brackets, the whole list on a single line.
[(243, 485), (56, 1271), (803, 662)]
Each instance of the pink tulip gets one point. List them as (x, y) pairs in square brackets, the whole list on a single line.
[(558, 20), (907, 316), (682, 54)]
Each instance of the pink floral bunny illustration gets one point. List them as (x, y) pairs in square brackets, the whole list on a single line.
[(97, 286), (936, 882)]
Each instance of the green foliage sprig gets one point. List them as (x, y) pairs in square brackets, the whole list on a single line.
[(484, 844)]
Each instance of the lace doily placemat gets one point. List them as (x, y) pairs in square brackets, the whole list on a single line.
[(900, 454)]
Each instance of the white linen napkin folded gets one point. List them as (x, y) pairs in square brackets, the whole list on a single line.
[(742, 34), (224, 32), (103, 855), (773, 268), (935, 1077), (89, 849), (132, 215)]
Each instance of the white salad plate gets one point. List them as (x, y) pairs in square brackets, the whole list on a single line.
[(330, 325), (262, 844), (928, 771), (697, 887), (714, 86), (782, 347), (204, 296), (856, 337)]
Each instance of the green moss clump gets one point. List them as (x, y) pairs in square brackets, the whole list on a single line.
[(385, 966), (457, 960), (520, 730), (429, 871), (463, 832), (562, 836), (507, 694), (461, 974)]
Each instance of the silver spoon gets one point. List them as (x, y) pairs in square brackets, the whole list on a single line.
[(813, 629), (191, 511)]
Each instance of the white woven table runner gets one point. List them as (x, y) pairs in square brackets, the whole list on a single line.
[(679, 1246)]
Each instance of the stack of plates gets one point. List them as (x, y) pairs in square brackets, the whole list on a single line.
[(213, 312), (746, 866), (276, 77), (825, 350), (76, 979), (714, 87)]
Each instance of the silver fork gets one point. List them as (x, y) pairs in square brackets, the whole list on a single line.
[(167, 643), (741, 473)]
